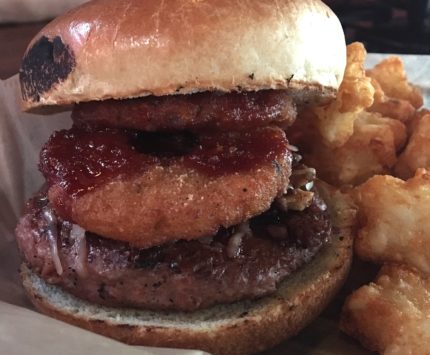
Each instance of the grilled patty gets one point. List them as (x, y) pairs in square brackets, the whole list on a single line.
[(242, 262)]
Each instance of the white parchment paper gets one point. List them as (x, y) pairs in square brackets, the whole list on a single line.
[(24, 331)]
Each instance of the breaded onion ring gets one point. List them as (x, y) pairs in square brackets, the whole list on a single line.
[(107, 182)]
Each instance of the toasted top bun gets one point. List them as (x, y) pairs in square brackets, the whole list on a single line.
[(132, 48)]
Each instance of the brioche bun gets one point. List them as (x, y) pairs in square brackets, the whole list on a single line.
[(131, 48)]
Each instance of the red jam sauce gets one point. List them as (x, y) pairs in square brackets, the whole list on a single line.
[(79, 160), (232, 152)]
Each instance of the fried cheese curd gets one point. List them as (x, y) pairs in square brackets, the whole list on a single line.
[(394, 222), (416, 153), (374, 133), (364, 132), (149, 188), (391, 315), (391, 76)]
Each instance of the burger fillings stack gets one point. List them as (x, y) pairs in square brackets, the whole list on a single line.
[(175, 213)]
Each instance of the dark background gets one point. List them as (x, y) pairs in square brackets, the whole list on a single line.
[(388, 26)]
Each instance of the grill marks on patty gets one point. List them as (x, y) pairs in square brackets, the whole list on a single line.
[(180, 275)]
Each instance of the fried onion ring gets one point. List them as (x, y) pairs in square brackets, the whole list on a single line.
[(107, 182)]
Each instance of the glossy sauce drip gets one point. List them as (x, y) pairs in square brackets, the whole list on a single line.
[(79, 160), (231, 152)]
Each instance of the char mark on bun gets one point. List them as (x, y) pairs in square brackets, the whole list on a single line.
[(175, 202), (45, 65)]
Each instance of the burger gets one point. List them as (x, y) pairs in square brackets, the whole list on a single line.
[(175, 213)]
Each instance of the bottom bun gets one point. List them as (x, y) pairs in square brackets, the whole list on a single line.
[(240, 328)]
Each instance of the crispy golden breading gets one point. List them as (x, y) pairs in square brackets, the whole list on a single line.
[(361, 133), (417, 152), (391, 76), (348, 142), (175, 202), (335, 121), (370, 150), (391, 315), (399, 109), (394, 220), (415, 119)]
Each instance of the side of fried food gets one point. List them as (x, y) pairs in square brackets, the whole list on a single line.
[(417, 153), (394, 219), (362, 132), (399, 109), (416, 119), (391, 316), (370, 150), (391, 76), (335, 121)]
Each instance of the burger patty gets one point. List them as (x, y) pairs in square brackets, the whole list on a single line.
[(206, 111), (149, 188), (242, 262)]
